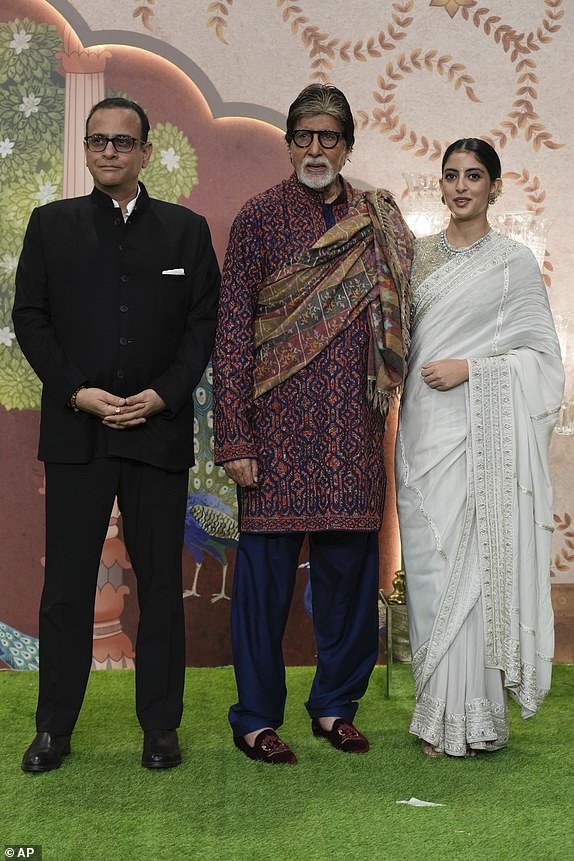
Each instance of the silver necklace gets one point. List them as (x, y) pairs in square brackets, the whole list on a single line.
[(454, 249)]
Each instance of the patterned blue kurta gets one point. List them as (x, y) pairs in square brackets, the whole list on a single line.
[(317, 440)]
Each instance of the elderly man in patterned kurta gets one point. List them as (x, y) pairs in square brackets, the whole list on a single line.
[(309, 349)]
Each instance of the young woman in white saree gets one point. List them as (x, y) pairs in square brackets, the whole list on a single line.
[(482, 394)]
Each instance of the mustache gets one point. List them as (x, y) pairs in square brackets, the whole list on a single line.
[(317, 160)]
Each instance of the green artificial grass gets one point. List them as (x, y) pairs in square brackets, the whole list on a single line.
[(220, 806)]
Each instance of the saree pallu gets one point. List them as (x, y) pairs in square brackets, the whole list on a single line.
[(474, 494)]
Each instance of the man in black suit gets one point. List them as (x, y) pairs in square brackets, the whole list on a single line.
[(115, 310)]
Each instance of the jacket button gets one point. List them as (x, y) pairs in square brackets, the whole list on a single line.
[(120, 374), (123, 341), (124, 278), (124, 308)]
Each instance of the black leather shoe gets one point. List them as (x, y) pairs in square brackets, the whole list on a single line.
[(161, 749), (46, 752)]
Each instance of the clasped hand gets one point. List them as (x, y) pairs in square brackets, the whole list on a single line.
[(120, 413), (445, 374)]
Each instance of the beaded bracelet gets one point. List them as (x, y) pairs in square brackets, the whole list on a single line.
[(72, 401)]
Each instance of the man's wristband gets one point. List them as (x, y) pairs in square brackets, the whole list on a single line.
[(72, 401)]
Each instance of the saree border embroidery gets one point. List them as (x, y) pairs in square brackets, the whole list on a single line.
[(491, 425), (547, 413), (484, 725), (492, 432), (500, 317)]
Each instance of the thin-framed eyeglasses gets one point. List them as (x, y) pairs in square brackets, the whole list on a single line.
[(327, 138), (121, 143)]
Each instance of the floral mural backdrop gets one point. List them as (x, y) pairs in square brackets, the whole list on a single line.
[(37, 56), (31, 166), (217, 79)]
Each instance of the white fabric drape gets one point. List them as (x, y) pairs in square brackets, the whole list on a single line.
[(474, 493)]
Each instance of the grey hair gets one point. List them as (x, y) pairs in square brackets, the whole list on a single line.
[(322, 99)]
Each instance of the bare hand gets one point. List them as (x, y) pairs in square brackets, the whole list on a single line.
[(445, 374), (98, 402), (135, 409), (243, 471)]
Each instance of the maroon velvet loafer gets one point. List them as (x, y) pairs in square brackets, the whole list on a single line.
[(343, 735), (268, 747)]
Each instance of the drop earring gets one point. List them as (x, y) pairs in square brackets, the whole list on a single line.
[(494, 195)]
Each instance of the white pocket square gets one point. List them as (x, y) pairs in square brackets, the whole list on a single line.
[(173, 272)]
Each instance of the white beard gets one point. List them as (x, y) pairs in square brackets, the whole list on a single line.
[(316, 182)]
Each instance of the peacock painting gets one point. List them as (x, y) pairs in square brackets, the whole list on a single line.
[(17, 650), (211, 519)]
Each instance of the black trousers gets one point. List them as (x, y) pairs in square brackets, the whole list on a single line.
[(79, 499)]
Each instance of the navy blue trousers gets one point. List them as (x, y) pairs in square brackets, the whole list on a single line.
[(344, 583)]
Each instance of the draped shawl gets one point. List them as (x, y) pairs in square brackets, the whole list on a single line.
[(363, 260)]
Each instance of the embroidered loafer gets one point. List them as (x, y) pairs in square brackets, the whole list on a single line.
[(342, 735), (161, 749), (268, 747), (46, 752)]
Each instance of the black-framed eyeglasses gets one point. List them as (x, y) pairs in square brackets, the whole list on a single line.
[(121, 143), (327, 138)]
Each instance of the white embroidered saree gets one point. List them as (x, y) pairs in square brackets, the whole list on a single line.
[(474, 493)]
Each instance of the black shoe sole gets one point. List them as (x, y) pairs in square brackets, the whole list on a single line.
[(156, 765)]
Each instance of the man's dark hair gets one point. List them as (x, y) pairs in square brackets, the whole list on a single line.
[(120, 102), (322, 99)]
